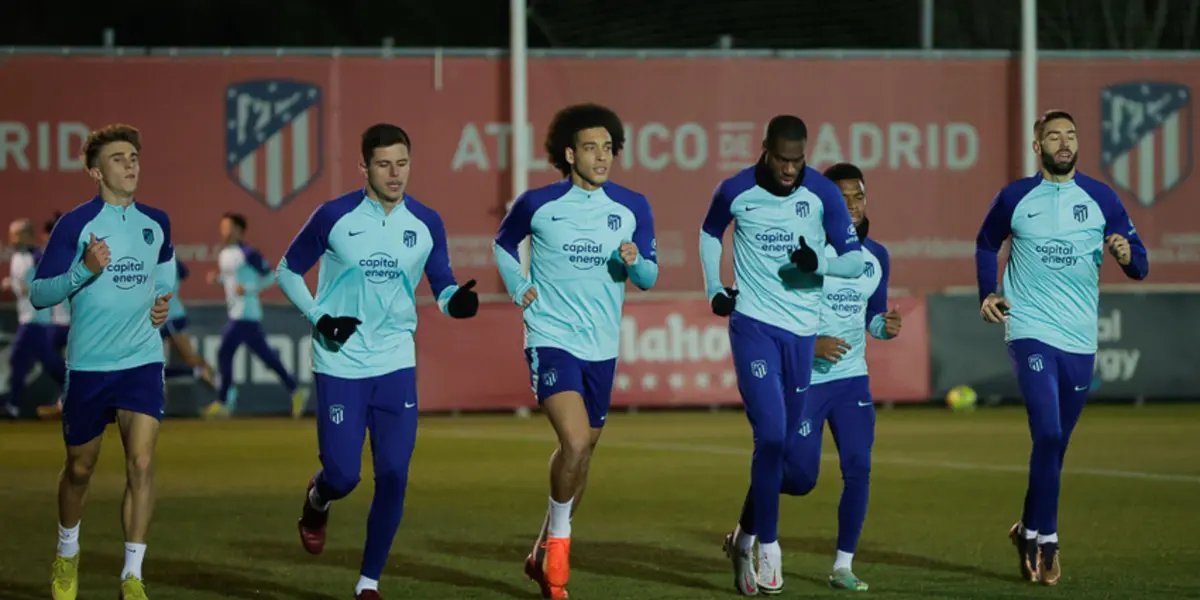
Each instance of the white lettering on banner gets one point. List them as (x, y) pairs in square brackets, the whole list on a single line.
[(473, 150), (953, 146), (670, 351), (735, 145), (296, 357), (1114, 364), (60, 139)]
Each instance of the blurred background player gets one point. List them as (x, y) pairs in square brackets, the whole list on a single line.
[(589, 236), (373, 245), (841, 388), (244, 273), (784, 211), (34, 340), (1049, 308), (175, 332), (114, 353)]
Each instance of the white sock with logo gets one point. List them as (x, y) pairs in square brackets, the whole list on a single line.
[(365, 583), (560, 518), (68, 541), (134, 553)]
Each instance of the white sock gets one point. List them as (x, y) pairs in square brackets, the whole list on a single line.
[(560, 518), (134, 553), (843, 560), (315, 500), (365, 583), (1047, 539), (68, 541), (1031, 534), (744, 541), (770, 554)]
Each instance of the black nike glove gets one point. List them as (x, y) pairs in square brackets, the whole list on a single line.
[(337, 329), (464, 303), (723, 302), (805, 258)]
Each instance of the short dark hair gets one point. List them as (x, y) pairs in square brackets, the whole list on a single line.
[(570, 121), (1039, 126), (787, 127), (49, 225), (844, 171), (236, 218), (97, 140), (382, 135)]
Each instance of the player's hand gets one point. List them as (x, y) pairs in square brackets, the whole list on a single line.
[(528, 298), (994, 309), (891, 322), (628, 252), (724, 301), (337, 329), (804, 257), (1118, 246), (830, 348), (464, 303), (158, 312), (238, 290), (212, 277), (97, 255)]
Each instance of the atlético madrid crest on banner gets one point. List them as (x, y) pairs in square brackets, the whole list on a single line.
[(1146, 137), (273, 137)]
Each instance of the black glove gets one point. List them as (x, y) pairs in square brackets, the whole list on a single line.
[(464, 303), (805, 258), (723, 302), (337, 329)]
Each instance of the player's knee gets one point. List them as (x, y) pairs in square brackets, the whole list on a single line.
[(856, 469), (78, 471), (341, 482), (799, 482), (770, 441), (139, 468), (1049, 439), (577, 450)]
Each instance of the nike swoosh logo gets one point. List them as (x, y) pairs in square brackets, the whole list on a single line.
[(1032, 215), (798, 390), (407, 405), (1080, 388), (101, 239), (558, 218), (354, 233), (750, 208), (867, 403), (604, 418)]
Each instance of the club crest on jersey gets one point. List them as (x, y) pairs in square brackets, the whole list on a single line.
[(148, 236), (336, 414), (1146, 137), (869, 270), (1035, 363), (759, 368), (802, 209), (273, 138), (549, 378), (1080, 212), (614, 222), (410, 238)]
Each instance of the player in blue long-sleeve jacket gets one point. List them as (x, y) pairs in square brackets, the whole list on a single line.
[(785, 212), (1061, 223), (373, 244), (588, 236), (113, 259)]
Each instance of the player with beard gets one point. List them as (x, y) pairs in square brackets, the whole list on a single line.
[(1061, 222)]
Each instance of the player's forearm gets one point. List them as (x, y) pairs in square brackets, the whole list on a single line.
[(710, 262), (1139, 264), (877, 328), (986, 271), (166, 278), (297, 293), (643, 273), (510, 273), (848, 265), (44, 293)]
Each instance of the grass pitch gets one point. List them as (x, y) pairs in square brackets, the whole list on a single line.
[(664, 489)]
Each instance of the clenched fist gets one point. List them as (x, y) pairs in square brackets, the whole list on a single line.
[(158, 312), (628, 252), (97, 255)]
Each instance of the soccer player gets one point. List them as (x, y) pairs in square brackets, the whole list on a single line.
[(840, 391), (113, 259), (784, 211), (373, 244), (244, 273), (34, 340), (175, 332), (1061, 222), (589, 235)]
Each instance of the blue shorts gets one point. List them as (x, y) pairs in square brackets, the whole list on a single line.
[(92, 399), (553, 370), (173, 326)]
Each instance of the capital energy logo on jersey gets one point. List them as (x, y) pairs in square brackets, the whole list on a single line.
[(584, 254), (845, 302), (127, 272), (380, 267), (273, 138), (1146, 137), (1057, 254), (776, 242)]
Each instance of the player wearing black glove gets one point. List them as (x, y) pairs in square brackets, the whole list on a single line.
[(804, 257), (337, 329), (464, 303), (724, 301)]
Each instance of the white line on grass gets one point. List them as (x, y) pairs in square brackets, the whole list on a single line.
[(827, 456)]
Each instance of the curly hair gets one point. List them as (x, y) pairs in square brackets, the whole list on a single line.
[(570, 121)]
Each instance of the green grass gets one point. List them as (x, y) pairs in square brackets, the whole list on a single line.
[(664, 489)]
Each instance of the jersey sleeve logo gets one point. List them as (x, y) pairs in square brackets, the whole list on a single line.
[(802, 209), (148, 236), (614, 222), (410, 238)]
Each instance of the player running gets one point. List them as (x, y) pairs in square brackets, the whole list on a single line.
[(373, 244), (34, 340), (1061, 222), (244, 273), (784, 211), (175, 332), (589, 236), (113, 259), (841, 391)]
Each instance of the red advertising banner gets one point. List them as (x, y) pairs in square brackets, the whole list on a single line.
[(273, 137), (673, 353)]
